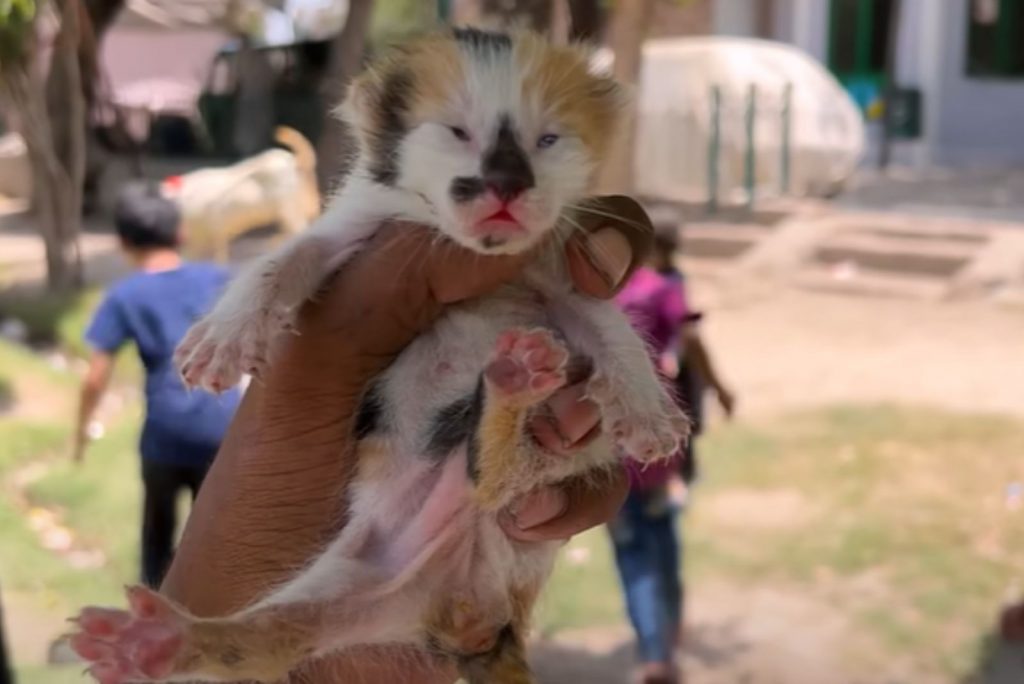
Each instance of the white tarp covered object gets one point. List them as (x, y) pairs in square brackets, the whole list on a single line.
[(827, 134)]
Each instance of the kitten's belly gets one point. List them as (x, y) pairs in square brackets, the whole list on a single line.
[(419, 505), (428, 533)]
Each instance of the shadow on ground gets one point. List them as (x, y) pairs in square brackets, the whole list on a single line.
[(999, 663), (716, 652)]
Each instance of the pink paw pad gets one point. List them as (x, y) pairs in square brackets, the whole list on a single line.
[(142, 644), (527, 366)]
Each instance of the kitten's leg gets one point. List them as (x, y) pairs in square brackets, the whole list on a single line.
[(158, 641), (236, 337), (636, 407), (527, 367), (504, 661)]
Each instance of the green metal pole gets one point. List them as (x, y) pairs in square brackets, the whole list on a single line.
[(714, 147), (786, 140), (750, 156)]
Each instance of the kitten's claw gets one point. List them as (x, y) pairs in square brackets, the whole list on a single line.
[(527, 367)]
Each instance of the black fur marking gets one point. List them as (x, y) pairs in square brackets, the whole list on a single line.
[(370, 412), (467, 188), (391, 108), (507, 170), (483, 42), (456, 424)]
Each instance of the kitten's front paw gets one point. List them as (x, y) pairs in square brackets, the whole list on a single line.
[(217, 352), (528, 365), (142, 644), (645, 433)]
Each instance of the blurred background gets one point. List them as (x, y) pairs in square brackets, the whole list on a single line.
[(847, 177)]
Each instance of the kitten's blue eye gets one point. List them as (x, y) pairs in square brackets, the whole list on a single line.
[(459, 133), (547, 140)]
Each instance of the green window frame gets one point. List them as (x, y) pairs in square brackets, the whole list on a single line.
[(995, 39)]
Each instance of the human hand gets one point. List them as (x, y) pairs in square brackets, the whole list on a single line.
[(270, 501), (727, 400)]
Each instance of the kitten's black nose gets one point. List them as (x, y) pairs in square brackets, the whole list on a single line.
[(507, 170), (508, 184)]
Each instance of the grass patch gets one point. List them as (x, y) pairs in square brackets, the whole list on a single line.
[(97, 500), (60, 320), (52, 318), (902, 525)]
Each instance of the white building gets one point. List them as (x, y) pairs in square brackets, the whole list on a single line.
[(966, 57)]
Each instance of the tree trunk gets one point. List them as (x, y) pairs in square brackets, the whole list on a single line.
[(347, 52), (57, 215), (587, 23), (57, 157), (531, 14), (90, 20), (628, 32)]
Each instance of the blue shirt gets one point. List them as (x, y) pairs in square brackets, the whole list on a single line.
[(155, 310)]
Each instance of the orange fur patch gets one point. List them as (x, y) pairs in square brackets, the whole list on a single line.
[(559, 78)]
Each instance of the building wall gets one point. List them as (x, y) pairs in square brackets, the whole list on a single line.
[(979, 119), (967, 121)]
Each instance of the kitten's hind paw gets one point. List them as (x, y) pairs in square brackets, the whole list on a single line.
[(645, 431), (527, 367), (144, 643)]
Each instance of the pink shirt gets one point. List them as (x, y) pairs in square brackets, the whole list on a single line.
[(656, 306)]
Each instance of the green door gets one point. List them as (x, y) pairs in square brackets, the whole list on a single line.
[(858, 32)]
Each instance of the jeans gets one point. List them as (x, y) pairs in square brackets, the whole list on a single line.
[(647, 555), (161, 483), (6, 668)]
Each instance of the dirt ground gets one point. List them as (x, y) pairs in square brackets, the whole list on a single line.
[(783, 349)]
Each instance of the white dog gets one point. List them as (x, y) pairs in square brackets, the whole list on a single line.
[(274, 187)]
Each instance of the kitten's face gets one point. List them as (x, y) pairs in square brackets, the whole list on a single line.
[(499, 133)]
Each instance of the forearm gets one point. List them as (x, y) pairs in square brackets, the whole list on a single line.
[(89, 399), (289, 449), (696, 356), (280, 474)]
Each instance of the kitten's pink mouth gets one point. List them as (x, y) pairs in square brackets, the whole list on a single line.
[(499, 226), (502, 214)]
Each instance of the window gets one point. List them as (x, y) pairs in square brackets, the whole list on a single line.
[(995, 38)]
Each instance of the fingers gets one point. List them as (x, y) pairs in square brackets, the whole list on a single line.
[(571, 422), (556, 513), (615, 238)]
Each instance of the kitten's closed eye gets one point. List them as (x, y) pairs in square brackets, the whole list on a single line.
[(459, 133)]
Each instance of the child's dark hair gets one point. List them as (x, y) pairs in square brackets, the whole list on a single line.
[(666, 231), (145, 219)]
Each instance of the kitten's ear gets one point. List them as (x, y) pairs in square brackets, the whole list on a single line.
[(360, 100)]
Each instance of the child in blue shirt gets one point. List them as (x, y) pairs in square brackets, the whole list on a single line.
[(153, 308)]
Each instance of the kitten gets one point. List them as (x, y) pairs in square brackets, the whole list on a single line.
[(493, 139)]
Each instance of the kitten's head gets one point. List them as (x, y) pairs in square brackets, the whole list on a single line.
[(498, 132)]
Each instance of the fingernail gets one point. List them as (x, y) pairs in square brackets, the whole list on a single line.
[(543, 505), (610, 253)]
